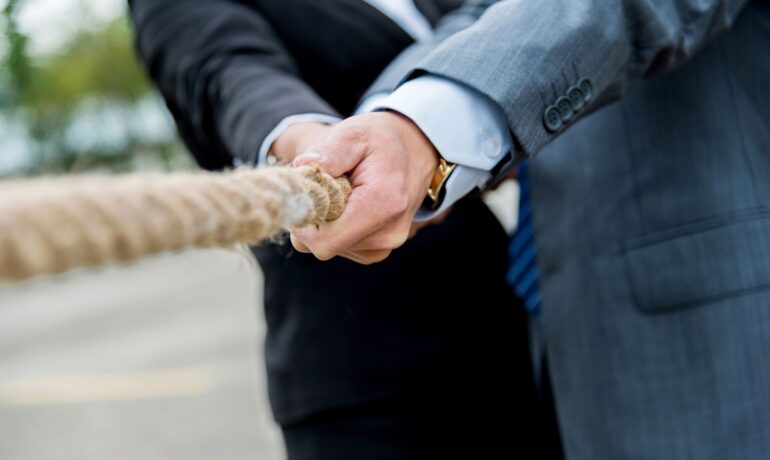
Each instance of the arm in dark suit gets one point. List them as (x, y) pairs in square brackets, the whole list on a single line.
[(226, 77)]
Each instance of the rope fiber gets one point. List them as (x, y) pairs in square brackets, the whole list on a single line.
[(51, 225)]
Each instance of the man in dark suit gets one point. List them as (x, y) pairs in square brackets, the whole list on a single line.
[(362, 362)]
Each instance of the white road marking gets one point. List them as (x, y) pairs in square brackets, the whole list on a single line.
[(75, 389)]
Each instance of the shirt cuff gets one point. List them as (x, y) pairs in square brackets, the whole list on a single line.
[(466, 127), (371, 103), (462, 181), (264, 150)]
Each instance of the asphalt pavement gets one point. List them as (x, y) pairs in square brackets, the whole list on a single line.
[(155, 360)]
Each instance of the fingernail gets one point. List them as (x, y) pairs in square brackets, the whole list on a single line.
[(308, 158)]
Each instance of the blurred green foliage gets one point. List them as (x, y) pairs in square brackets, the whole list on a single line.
[(98, 62), (16, 62), (97, 67)]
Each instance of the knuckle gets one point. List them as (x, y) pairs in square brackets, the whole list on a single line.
[(376, 258), (298, 245), (381, 139), (397, 204), (354, 134), (395, 240), (381, 257), (323, 254), (327, 250)]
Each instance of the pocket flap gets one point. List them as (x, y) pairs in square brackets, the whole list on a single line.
[(700, 263)]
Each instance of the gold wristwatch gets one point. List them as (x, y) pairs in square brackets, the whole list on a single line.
[(440, 177)]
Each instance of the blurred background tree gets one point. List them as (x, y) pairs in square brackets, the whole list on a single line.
[(85, 105)]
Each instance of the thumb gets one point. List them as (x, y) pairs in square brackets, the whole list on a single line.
[(335, 158)]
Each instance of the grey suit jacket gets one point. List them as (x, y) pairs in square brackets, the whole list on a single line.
[(651, 208)]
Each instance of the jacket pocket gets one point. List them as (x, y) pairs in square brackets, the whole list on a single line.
[(700, 263)]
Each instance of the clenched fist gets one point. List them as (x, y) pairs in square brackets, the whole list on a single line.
[(390, 163)]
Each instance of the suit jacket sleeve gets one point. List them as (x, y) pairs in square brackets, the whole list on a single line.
[(404, 64), (525, 54), (224, 73)]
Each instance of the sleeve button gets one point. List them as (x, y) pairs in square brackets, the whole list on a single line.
[(587, 88), (552, 119), (565, 108), (577, 98)]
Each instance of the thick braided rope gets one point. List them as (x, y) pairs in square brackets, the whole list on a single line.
[(51, 225)]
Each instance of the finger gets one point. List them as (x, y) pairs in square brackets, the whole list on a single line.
[(416, 227), (299, 246), (308, 238), (389, 238), (367, 257), (337, 154), (362, 217), (395, 235)]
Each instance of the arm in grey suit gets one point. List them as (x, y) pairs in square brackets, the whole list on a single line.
[(523, 54)]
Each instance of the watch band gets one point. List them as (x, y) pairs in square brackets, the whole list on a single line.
[(443, 171)]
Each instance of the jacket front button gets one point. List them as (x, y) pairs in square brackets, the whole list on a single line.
[(552, 119)]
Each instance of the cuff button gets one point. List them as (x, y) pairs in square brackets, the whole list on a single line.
[(492, 148)]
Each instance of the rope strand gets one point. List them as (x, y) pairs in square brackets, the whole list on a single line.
[(51, 225)]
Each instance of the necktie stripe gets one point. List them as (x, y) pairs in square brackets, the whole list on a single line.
[(525, 211), (523, 274), (523, 238), (527, 283), (521, 265), (532, 304)]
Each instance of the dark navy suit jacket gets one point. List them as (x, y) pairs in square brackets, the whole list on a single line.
[(434, 319)]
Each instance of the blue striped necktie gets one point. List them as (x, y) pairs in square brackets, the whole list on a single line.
[(523, 274)]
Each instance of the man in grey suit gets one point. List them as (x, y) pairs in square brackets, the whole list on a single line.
[(650, 202)]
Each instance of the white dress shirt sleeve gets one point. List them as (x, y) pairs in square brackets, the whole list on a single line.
[(466, 127), (264, 150)]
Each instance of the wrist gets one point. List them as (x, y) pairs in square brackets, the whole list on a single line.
[(424, 158)]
